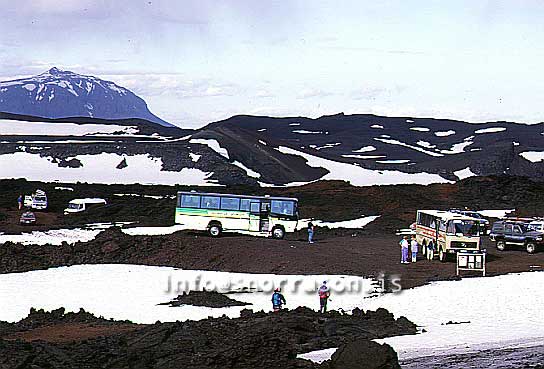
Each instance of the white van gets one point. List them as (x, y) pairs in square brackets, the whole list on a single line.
[(37, 200), (79, 205)]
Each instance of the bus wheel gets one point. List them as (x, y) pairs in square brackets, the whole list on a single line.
[(215, 230), (442, 256), (278, 233), (531, 248), (500, 245)]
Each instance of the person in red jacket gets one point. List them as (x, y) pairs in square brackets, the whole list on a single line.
[(324, 293)]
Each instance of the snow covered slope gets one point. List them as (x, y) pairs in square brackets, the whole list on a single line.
[(451, 149), (59, 94), (248, 150)]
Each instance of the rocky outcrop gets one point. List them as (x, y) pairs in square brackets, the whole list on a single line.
[(256, 340), (363, 354)]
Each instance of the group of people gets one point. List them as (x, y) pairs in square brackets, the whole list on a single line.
[(407, 245), (278, 300)]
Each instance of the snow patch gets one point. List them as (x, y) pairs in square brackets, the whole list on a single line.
[(425, 144), (100, 168), (464, 173), (420, 129), (64, 188), (212, 144), (358, 176), (459, 147), (364, 156), (53, 237), (153, 231), (396, 142), (251, 173), (305, 132), (318, 356), (533, 156), (393, 161), (29, 86), (516, 315), (365, 149), (351, 224), (156, 197), (490, 130), (133, 292), (194, 157), (119, 90), (326, 146), (496, 213), (22, 128), (444, 133)]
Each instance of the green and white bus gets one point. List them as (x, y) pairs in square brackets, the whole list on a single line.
[(215, 213)]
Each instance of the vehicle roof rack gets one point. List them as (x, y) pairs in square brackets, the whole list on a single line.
[(518, 219)]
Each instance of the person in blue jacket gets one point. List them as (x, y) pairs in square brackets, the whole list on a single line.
[(277, 300)]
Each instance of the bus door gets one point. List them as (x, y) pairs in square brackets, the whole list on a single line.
[(265, 214), (441, 234), (255, 216)]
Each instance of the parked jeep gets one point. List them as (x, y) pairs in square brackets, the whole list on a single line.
[(507, 233)]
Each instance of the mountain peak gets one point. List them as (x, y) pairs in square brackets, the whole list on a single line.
[(57, 72), (59, 93)]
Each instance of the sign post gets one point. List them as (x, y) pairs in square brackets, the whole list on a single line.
[(471, 261)]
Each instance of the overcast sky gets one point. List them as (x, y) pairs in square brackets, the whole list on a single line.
[(200, 61)]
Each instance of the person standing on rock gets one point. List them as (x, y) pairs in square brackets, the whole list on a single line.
[(324, 293), (277, 300), (414, 246), (20, 201), (310, 232), (404, 250)]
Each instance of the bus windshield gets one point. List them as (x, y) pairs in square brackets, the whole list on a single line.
[(464, 227)]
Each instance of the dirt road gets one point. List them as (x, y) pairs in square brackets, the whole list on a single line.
[(335, 252)]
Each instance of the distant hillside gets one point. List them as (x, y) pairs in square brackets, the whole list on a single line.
[(364, 150), (62, 94), (451, 149)]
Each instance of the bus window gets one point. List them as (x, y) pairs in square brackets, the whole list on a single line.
[(244, 204), (283, 207), (210, 202), (230, 203), (255, 207), (190, 201)]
